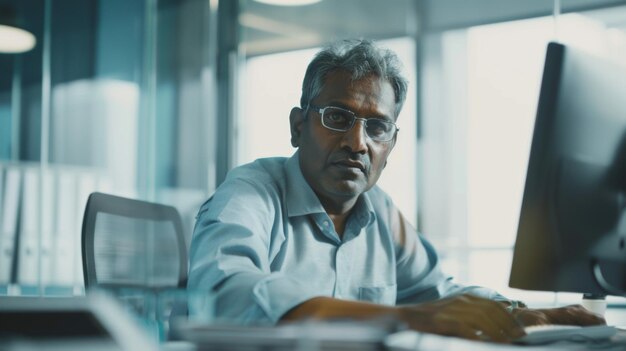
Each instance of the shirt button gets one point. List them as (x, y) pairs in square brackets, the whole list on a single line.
[(326, 224)]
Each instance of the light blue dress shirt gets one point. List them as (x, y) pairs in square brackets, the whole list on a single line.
[(263, 244)]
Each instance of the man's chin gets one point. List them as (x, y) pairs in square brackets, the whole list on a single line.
[(348, 188)]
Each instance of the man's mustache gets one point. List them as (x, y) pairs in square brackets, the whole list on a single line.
[(354, 159)]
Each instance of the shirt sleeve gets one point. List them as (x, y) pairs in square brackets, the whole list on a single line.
[(230, 256), (419, 274)]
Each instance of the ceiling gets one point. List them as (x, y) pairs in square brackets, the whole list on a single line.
[(269, 28), (614, 17)]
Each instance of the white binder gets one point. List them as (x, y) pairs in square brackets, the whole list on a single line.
[(48, 225), (65, 230), (28, 253), (10, 205)]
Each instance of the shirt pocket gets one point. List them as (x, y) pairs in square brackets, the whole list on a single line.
[(385, 295)]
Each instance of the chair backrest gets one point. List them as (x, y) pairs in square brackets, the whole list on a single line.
[(132, 243)]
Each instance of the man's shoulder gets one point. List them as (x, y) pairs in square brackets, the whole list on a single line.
[(380, 203), (261, 171), (379, 198), (264, 173), (258, 182)]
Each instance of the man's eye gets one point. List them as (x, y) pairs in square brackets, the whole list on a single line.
[(337, 117), (375, 127)]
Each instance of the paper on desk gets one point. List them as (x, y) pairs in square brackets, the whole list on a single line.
[(411, 340)]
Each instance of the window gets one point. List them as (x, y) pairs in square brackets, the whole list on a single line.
[(482, 88)]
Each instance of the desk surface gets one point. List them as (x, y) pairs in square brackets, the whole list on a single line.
[(429, 342), (354, 336), (303, 336)]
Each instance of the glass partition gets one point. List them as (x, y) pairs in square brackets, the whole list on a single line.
[(110, 100)]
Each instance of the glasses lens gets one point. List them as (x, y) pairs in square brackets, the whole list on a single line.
[(380, 130), (337, 119)]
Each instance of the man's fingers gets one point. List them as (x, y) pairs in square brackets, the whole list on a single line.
[(465, 316), (467, 332), (507, 322), (577, 314), (489, 319), (527, 316), (481, 333), (569, 315), (492, 329), (499, 320)]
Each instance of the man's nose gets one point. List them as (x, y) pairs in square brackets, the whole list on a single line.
[(355, 139)]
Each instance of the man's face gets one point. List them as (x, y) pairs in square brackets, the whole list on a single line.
[(340, 166)]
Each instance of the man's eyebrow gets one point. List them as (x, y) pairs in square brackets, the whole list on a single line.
[(339, 104)]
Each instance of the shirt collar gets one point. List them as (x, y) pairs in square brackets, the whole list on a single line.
[(301, 199), (363, 210)]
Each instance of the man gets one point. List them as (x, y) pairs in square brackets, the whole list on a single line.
[(312, 236)]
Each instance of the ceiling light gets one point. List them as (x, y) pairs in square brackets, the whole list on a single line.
[(288, 2), (14, 40)]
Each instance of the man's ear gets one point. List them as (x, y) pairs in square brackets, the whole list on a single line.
[(296, 119)]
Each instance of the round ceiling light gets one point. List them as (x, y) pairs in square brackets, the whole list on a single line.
[(288, 2), (14, 40)]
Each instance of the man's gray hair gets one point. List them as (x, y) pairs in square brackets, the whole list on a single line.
[(359, 58)]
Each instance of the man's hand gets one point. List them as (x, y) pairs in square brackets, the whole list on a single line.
[(464, 316), (571, 315)]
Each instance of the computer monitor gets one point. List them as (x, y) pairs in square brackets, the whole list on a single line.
[(572, 228)]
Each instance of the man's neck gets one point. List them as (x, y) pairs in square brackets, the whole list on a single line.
[(339, 212), (338, 208), (339, 221)]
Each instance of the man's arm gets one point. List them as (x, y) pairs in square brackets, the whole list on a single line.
[(229, 256), (432, 303), (419, 275), (463, 316)]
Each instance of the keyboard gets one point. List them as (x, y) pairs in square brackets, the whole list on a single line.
[(545, 334)]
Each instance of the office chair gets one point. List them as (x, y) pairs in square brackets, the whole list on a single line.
[(136, 250), (129, 243)]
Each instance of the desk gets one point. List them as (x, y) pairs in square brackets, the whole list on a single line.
[(429, 342), (122, 333), (347, 336)]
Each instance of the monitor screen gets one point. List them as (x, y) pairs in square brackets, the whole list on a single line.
[(572, 227)]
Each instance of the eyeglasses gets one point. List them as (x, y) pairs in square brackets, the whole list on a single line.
[(342, 120)]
